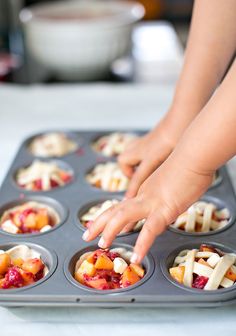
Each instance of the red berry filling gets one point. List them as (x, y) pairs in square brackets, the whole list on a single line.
[(200, 282)]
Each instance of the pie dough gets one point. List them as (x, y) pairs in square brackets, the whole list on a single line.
[(20, 266), (113, 144), (52, 144), (30, 217), (92, 214), (202, 217), (108, 176), (206, 268), (42, 176), (107, 269)]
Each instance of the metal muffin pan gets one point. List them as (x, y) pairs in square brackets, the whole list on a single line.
[(61, 246)]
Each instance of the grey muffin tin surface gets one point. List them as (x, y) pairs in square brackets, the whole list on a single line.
[(61, 246)]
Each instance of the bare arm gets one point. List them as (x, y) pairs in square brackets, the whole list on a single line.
[(211, 46)]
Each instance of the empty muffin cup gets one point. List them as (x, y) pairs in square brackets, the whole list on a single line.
[(43, 176), (31, 216), (206, 267), (208, 216), (25, 265), (107, 271)]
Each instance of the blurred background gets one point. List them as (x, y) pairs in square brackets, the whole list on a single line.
[(92, 40)]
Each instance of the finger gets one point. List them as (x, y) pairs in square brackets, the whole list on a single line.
[(142, 172), (98, 226), (153, 227), (128, 161), (129, 227), (131, 211)]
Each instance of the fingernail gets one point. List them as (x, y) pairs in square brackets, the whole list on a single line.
[(134, 258), (101, 243), (85, 235)]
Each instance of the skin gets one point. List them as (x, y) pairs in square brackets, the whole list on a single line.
[(207, 143), (204, 67)]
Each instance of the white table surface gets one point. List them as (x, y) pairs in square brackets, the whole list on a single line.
[(24, 110)]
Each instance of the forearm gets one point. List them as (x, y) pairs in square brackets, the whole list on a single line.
[(211, 46), (211, 138)]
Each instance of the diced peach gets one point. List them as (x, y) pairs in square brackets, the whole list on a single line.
[(129, 277), (177, 273), (206, 248), (85, 268), (230, 275), (137, 269), (91, 258), (27, 276), (104, 262), (42, 219), (18, 262), (203, 262), (98, 184), (2, 282), (30, 221), (5, 262), (98, 283), (33, 265)]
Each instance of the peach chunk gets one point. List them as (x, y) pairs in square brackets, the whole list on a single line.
[(177, 273), (98, 283), (85, 268), (18, 262), (137, 269), (230, 275), (27, 276), (129, 277), (104, 262), (30, 221), (33, 265), (42, 219), (203, 262), (5, 262)]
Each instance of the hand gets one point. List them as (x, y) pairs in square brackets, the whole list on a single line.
[(167, 193), (145, 154)]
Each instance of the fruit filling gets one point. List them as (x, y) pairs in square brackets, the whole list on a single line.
[(30, 217), (20, 266), (52, 144), (206, 268), (108, 269), (108, 176), (202, 217), (92, 214), (42, 176), (113, 144)]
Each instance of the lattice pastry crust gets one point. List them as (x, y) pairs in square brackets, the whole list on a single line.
[(108, 176), (52, 144), (113, 144), (202, 217), (205, 268)]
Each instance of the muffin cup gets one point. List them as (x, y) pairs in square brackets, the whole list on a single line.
[(48, 257), (168, 261), (69, 268), (61, 211), (220, 204)]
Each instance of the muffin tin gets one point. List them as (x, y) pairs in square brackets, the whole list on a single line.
[(61, 246)]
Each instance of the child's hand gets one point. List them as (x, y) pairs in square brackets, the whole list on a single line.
[(145, 154), (161, 198)]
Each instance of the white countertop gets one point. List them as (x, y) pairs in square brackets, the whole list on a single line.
[(25, 110)]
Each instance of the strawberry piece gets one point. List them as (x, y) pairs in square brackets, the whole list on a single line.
[(200, 282)]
